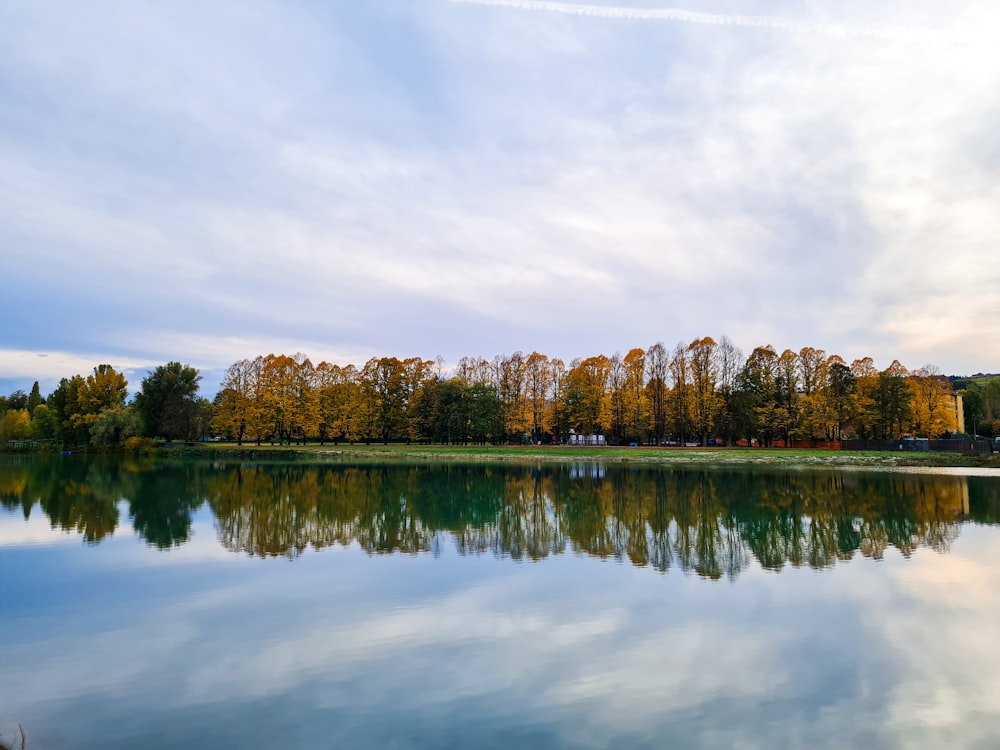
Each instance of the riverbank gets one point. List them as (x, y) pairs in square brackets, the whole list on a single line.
[(563, 454)]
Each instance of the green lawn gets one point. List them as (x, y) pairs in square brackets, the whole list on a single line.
[(639, 455)]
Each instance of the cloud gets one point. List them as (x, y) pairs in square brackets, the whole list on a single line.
[(720, 19), (410, 181)]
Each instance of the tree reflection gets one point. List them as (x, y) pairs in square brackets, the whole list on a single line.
[(709, 522), (162, 503)]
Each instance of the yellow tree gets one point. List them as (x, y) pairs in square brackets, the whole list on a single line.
[(680, 396), (863, 408), (278, 396), (657, 372), (103, 389), (341, 402), (475, 371), (235, 410), (258, 427), (557, 404), (15, 425), (586, 395), (106, 389), (635, 395), (702, 356), (932, 397), (814, 405), (538, 382), (417, 373), (305, 417), (510, 379), (617, 385)]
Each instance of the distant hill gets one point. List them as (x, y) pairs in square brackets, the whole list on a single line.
[(959, 382)]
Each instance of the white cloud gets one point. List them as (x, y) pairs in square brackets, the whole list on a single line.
[(548, 181), (719, 19), (51, 366)]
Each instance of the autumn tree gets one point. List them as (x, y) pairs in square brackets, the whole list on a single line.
[(77, 402), (616, 397), (702, 355), (657, 372), (557, 407), (538, 384), (278, 396), (730, 363), (931, 393), (237, 410), (15, 424), (586, 395), (863, 404), (339, 398), (510, 380), (680, 394), (893, 400), (815, 408), (636, 406), (387, 384)]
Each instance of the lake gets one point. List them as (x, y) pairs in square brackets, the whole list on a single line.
[(212, 605)]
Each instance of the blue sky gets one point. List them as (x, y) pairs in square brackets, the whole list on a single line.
[(423, 177)]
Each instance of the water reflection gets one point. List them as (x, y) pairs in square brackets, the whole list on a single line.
[(711, 522)]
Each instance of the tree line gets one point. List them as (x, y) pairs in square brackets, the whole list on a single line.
[(94, 411), (703, 392)]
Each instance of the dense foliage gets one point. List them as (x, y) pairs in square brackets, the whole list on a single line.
[(704, 392)]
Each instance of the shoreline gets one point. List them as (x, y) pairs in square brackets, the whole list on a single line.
[(808, 458)]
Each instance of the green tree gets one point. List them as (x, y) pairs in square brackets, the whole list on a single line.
[(974, 409), (991, 400), (485, 423), (114, 425), (44, 423), (168, 401), (17, 400), (760, 402), (34, 398), (840, 390)]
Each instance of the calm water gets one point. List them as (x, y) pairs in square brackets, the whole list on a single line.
[(203, 605)]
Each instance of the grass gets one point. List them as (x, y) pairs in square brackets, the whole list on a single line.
[(637, 455)]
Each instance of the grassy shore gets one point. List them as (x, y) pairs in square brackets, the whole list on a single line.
[(557, 454)]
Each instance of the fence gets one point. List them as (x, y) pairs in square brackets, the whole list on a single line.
[(967, 446)]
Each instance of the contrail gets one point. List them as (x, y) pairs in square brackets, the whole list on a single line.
[(674, 14)]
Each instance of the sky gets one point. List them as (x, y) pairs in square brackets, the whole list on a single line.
[(212, 181)]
